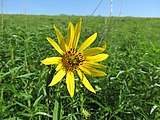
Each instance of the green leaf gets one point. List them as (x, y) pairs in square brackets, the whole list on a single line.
[(37, 100), (13, 118), (25, 75), (57, 109), (43, 113), (49, 79)]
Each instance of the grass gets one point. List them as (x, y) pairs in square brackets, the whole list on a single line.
[(129, 92)]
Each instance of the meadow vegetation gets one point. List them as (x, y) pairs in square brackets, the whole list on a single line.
[(131, 91)]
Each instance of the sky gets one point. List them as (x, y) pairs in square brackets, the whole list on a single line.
[(135, 8)]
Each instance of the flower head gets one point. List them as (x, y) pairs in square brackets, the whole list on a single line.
[(81, 60)]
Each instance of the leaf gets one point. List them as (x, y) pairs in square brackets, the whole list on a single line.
[(43, 113), (49, 79), (57, 109), (13, 118), (37, 100), (25, 75)]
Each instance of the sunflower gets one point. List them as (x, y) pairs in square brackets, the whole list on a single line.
[(81, 61)]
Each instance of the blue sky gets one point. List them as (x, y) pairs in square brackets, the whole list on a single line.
[(136, 8)]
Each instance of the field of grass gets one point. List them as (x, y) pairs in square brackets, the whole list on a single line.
[(131, 91)]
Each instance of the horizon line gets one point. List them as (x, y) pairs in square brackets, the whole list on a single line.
[(77, 15)]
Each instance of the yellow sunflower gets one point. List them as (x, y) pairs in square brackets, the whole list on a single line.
[(74, 60)]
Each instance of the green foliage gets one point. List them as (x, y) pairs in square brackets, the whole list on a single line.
[(129, 92)]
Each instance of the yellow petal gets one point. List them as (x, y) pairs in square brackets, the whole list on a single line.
[(70, 35), (60, 66), (92, 64), (94, 51), (85, 81), (51, 60), (97, 58), (77, 33), (60, 38), (87, 42), (92, 71), (55, 45), (85, 70), (57, 77), (70, 83)]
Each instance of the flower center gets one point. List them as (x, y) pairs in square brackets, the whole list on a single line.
[(71, 60)]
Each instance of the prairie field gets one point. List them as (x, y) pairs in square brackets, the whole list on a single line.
[(131, 90)]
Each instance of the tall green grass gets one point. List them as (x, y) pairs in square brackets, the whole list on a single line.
[(131, 91)]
